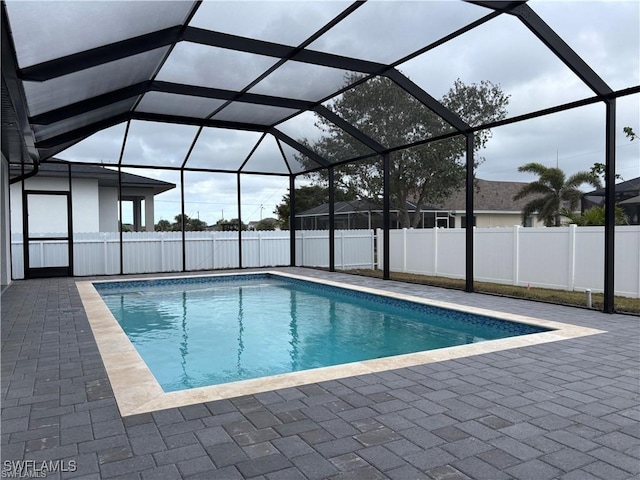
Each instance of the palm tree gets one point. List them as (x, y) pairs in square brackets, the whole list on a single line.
[(553, 192)]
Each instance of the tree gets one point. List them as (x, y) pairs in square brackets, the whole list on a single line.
[(196, 225), (553, 192), (594, 216), (267, 224), (631, 135), (307, 197), (163, 226), (424, 174), (223, 225), (190, 224), (600, 169)]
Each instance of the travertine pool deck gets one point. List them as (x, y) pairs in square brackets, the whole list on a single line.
[(565, 409)]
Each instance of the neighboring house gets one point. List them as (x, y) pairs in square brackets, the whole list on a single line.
[(356, 214), (94, 198), (627, 196), (493, 207)]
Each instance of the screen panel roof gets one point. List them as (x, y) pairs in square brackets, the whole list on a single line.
[(263, 68)]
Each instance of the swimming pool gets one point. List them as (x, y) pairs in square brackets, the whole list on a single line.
[(137, 390), (213, 330)]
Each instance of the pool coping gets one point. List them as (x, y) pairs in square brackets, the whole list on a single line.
[(137, 391)]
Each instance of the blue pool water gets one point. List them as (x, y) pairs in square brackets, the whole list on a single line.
[(202, 331)]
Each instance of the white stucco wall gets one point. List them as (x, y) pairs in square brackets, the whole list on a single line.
[(85, 203), (495, 219), (108, 208)]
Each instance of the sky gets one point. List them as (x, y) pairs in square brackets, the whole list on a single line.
[(605, 33)]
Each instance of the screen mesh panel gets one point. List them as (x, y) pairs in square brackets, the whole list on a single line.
[(387, 31), (85, 84), (266, 158), (286, 22), (205, 66), (46, 30), (101, 147), (153, 143), (302, 81), (180, 105), (222, 149), (252, 113)]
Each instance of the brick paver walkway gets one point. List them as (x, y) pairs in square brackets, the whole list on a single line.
[(568, 410)]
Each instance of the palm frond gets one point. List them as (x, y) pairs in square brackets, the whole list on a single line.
[(554, 177), (580, 178), (534, 206), (533, 167)]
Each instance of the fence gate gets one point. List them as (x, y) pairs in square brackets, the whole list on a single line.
[(48, 241)]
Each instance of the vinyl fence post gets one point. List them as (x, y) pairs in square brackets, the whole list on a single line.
[(213, 250), (572, 257), (372, 243), (105, 253), (379, 241), (404, 250), (162, 260), (435, 251), (516, 254), (342, 249)]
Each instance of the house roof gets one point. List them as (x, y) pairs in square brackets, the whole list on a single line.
[(628, 187), (350, 206), (105, 176), (491, 195), (355, 206)]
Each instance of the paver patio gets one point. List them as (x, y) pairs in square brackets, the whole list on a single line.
[(567, 410)]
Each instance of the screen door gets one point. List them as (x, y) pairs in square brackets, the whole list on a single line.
[(48, 242)]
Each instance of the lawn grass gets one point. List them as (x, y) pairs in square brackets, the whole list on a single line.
[(621, 304)]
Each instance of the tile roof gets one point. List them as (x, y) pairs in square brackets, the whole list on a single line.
[(489, 195)]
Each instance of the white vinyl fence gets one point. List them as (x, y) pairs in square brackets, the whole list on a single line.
[(567, 258), (353, 249), (152, 252)]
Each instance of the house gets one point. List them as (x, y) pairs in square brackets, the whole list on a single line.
[(93, 198), (355, 214), (627, 197), (493, 207)]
